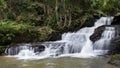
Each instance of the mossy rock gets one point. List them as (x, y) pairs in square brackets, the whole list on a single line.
[(2, 49), (116, 57), (115, 60)]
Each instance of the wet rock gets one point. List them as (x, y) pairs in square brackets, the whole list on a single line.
[(14, 50), (115, 43), (2, 50), (97, 33), (114, 62), (116, 20), (90, 22), (115, 46), (38, 47), (54, 36), (34, 47)]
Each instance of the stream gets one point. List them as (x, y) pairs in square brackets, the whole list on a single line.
[(66, 62)]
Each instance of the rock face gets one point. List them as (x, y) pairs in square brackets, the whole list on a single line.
[(97, 34), (54, 36), (91, 21), (115, 46), (116, 20)]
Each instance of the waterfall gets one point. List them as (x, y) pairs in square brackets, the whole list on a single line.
[(102, 45), (72, 44)]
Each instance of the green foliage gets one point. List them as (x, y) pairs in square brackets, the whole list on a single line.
[(58, 15), (6, 31), (3, 4), (19, 32), (44, 33), (108, 7), (111, 7), (52, 22)]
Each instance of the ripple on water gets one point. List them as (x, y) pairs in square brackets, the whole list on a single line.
[(67, 62)]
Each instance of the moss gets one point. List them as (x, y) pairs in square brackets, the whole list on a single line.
[(2, 49), (116, 57)]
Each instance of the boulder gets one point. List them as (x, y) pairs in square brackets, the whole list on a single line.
[(115, 46), (97, 33), (54, 36), (90, 22), (116, 20), (114, 62)]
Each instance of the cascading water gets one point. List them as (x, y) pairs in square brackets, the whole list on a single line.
[(79, 42), (76, 44), (102, 45)]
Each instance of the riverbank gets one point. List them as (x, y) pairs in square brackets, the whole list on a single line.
[(115, 60)]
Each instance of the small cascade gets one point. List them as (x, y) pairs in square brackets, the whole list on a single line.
[(36, 51), (73, 44), (102, 45), (26, 52), (14, 50)]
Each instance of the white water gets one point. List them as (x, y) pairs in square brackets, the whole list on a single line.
[(102, 45), (76, 44)]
